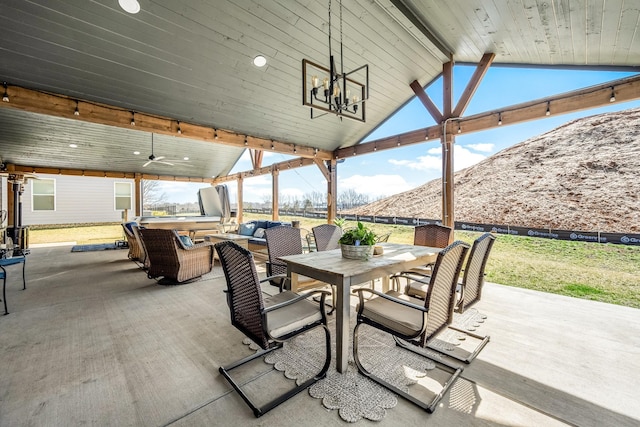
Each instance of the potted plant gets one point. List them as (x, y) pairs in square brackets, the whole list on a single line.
[(358, 242)]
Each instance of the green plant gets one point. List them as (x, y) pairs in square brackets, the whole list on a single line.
[(359, 236), (339, 222)]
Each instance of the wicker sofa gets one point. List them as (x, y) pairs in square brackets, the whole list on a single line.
[(255, 231)]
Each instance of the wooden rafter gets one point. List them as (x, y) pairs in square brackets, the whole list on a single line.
[(626, 89), (63, 106), (426, 101), (474, 82), (256, 158)]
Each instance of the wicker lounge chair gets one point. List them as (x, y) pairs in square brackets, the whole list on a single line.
[(326, 236), (171, 260), (132, 242), (267, 321), (413, 322)]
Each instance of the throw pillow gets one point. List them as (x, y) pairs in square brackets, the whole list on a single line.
[(259, 233), (186, 240), (246, 229)]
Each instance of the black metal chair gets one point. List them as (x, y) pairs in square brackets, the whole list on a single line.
[(269, 322), (413, 322)]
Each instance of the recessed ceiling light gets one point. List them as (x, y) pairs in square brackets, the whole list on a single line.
[(259, 61), (73, 145), (136, 152), (130, 6), (185, 158)]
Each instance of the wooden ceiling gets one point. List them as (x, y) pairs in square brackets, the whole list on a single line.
[(191, 62)]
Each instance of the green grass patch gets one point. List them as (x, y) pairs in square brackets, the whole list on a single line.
[(599, 272)]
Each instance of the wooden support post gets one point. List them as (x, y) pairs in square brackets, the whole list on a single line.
[(240, 203), (332, 191), (447, 181), (138, 194), (274, 194)]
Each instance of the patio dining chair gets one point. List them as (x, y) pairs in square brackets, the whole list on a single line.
[(269, 322), (174, 261), (413, 323), (468, 290), (432, 235), (326, 236), (134, 247)]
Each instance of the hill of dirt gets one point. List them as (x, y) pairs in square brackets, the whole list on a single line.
[(584, 175)]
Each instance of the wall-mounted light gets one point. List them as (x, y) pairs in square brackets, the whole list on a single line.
[(133, 118), (76, 112), (613, 95), (5, 97), (499, 119), (548, 113)]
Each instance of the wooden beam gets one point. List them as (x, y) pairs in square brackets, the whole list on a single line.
[(626, 89), (93, 112), (426, 101), (472, 86), (265, 170), (256, 158), (323, 169), (447, 89), (109, 174)]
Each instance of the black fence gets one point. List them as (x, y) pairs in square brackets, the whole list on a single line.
[(545, 233)]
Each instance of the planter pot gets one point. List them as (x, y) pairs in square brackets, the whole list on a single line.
[(356, 252)]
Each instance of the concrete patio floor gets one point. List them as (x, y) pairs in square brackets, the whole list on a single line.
[(94, 341)]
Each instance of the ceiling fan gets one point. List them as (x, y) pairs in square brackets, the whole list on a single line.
[(158, 159)]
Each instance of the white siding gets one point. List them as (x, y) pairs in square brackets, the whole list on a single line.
[(79, 199)]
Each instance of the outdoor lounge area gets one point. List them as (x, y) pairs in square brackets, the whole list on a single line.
[(93, 341)]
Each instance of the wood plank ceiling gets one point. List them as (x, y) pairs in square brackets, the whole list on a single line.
[(192, 62)]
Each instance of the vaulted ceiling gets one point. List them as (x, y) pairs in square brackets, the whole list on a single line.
[(192, 62)]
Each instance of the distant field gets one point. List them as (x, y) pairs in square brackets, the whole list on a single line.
[(599, 272)]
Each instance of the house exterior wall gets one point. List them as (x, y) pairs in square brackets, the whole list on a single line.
[(78, 199)]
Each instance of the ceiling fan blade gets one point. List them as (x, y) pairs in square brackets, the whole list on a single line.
[(159, 158), (164, 163), (147, 164)]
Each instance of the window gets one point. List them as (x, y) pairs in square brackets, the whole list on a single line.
[(43, 194), (122, 192)]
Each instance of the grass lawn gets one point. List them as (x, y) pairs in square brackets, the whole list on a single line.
[(599, 272)]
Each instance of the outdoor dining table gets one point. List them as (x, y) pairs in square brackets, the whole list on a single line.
[(330, 267)]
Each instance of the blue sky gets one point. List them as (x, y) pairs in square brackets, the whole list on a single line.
[(392, 171)]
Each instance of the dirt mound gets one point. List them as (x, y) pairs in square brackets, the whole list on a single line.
[(584, 175)]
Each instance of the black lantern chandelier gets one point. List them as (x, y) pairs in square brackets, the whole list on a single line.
[(333, 91)]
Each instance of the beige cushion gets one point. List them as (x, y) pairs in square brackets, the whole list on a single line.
[(406, 321), (416, 289), (290, 318)]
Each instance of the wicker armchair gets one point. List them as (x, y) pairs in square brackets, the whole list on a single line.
[(172, 260), (326, 236), (267, 321), (413, 322), (143, 258), (132, 242)]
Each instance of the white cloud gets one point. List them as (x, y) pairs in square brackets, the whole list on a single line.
[(463, 158), (485, 148), (374, 185)]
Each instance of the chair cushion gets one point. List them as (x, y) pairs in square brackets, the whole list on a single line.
[(129, 226), (406, 321), (259, 233), (270, 224), (260, 223), (186, 240), (247, 229), (290, 318)]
